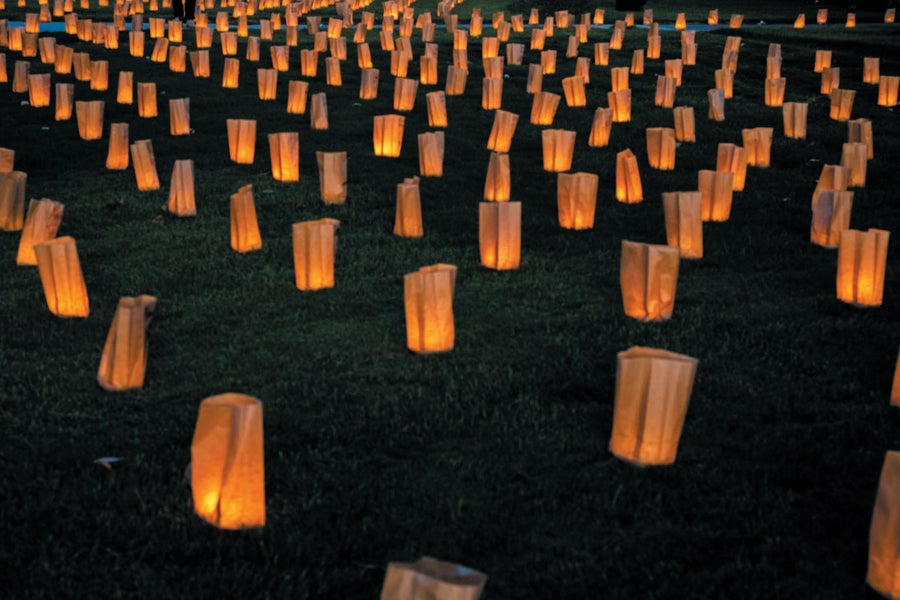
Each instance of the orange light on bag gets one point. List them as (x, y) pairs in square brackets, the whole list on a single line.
[(244, 226), (862, 256), (499, 234), (684, 123), (431, 154), (830, 216), (758, 144), (89, 115), (332, 176), (387, 135), (428, 304), (61, 277), (628, 179), (684, 222), (241, 140), (716, 192), (558, 147), (661, 148), (41, 225), (314, 245), (284, 154), (601, 128), (648, 276), (408, 214), (576, 199), (117, 155), (227, 472), (124, 358), (653, 389), (144, 165)]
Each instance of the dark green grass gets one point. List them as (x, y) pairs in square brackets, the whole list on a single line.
[(495, 454)]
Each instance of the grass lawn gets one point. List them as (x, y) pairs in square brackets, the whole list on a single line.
[(494, 455)]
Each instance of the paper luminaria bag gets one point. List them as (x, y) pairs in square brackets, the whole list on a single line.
[(227, 467), (245, 235), (684, 223), (883, 574), (862, 256), (408, 214), (41, 224), (61, 277), (648, 275), (576, 197), (653, 389), (314, 244), (428, 306), (431, 579), (12, 199), (124, 358), (500, 234), (332, 176)]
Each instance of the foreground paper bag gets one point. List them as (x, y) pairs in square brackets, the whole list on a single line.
[(124, 358), (653, 388), (884, 534), (227, 472), (431, 579)]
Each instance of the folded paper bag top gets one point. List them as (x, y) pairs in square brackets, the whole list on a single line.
[(431, 579)]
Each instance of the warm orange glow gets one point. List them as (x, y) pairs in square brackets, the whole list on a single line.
[(851, 20), (117, 155), (831, 80), (629, 189), (689, 54), (831, 211), (200, 63), (842, 104), (309, 63), (684, 123), (725, 82), (39, 90), (499, 234), (387, 135), (860, 130), (408, 214), (538, 39), (436, 105), (227, 472), (620, 103), (558, 147), (861, 266), (573, 88), (180, 116), (680, 22), (576, 198), (456, 81), (332, 176), (601, 128), (548, 62), (653, 389), (733, 158), (497, 183), (654, 44), (297, 93), (515, 53), (244, 226), (535, 81), (333, 72), (89, 115), (160, 51), (41, 224), (854, 156), (822, 16), (241, 140), (887, 90), (405, 93), (735, 21), (543, 108), (61, 277), (716, 192), (774, 91), (800, 21), (146, 96), (431, 154), (617, 37), (182, 202), (144, 165), (491, 93), (318, 112), (794, 114), (661, 148), (758, 144), (368, 84), (716, 99), (665, 91), (619, 78), (124, 358), (684, 222), (601, 54), (428, 304), (823, 61), (648, 276), (889, 15), (314, 250), (284, 154), (871, 69), (12, 199), (713, 17)]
